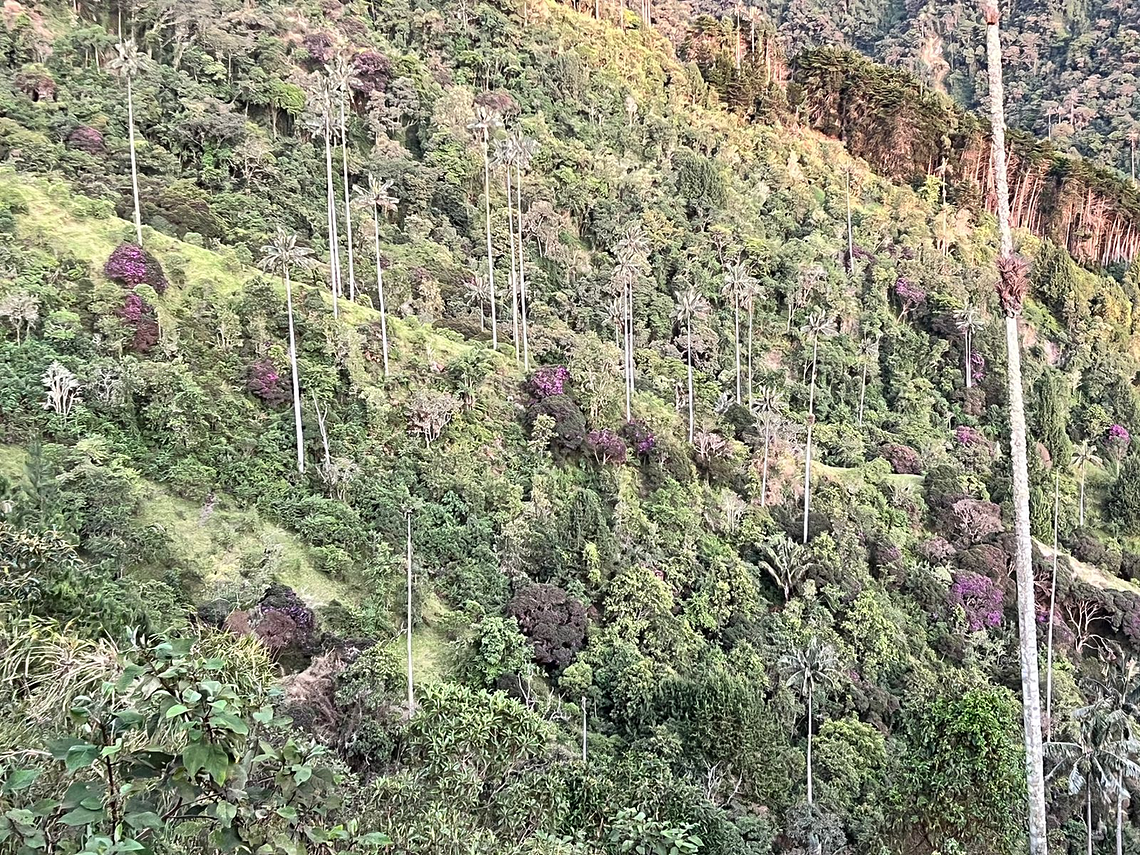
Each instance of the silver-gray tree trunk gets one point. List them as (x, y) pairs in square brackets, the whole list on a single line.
[(134, 164), (807, 444), (1052, 609), (380, 290), (522, 271), (490, 251), (347, 205), (1026, 605), (330, 202), (296, 379), (411, 692), (689, 363)]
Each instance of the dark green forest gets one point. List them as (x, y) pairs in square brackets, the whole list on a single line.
[(516, 427)]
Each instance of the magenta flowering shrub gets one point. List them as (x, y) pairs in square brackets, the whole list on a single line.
[(977, 366), (131, 265), (86, 139), (640, 438), (606, 446), (140, 317), (968, 436), (903, 459), (264, 380), (980, 598), (1117, 441), (910, 294), (319, 47), (549, 380)]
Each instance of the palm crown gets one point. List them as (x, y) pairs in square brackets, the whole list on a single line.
[(127, 60), (377, 195), (282, 253), (691, 303)]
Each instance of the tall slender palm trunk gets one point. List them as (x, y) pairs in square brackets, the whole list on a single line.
[(751, 313), (1119, 812), (1052, 610), (1012, 294), (347, 207), (969, 361), (689, 363), (411, 692), (514, 263), (810, 704), (736, 341), (1081, 512), (764, 469), (298, 429), (807, 444), (380, 290), (490, 249), (862, 393), (522, 270), (134, 162), (850, 236), (628, 346), (330, 202)]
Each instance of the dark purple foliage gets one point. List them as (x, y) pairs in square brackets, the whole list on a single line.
[(936, 550), (909, 294), (973, 520), (885, 554), (138, 315), (319, 46), (1117, 441), (969, 436), (131, 265), (606, 446), (86, 139), (554, 622), (979, 597), (283, 599), (264, 381), (549, 380), (642, 440), (903, 459), (977, 366), (372, 70), (569, 420)]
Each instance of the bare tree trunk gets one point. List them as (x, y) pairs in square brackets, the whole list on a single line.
[(514, 280), (411, 692), (134, 163), (850, 237), (810, 704), (736, 341), (689, 363), (330, 201), (380, 291), (751, 313), (862, 392), (969, 363), (1026, 607), (1052, 611), (807, 444), (627, 322), (347, 206), (1119, 813), (1081, 512), (490, 252), (299, 431), (764, 470), (522, 269)]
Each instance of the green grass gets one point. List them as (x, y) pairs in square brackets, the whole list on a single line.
[(12, 462)]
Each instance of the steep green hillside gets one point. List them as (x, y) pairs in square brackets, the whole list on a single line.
[(617, 602)]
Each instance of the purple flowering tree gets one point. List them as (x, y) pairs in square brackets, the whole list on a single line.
[(606, 446), (549, 380), (640, 438), (1116, 444), (131, 265), (980, 598), (910, 295), (264, 381), (141, 319)]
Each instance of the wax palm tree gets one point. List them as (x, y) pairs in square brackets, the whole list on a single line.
[(478, 294), (341, 80), (1119, 699), (319, 123), (819, 324), (1052, 607), (969, 322), (768, 409), (378, 197), (752, 292), (1097, 761), (127, 63), (632, 253), (486, 120), (691, 304), (615, 317), (868, 356), (1084, 455), (786, 562), (503, 156), (736, 283), (1012, 286), (808, 671), (524, 152), (281, 255)]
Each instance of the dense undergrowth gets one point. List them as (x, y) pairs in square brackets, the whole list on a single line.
[(631, 589)]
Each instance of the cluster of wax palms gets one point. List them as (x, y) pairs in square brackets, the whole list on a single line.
[(1099, 761), (513, 155)]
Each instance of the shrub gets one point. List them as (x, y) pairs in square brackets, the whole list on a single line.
[(85, 138), (606, 446), (980, 598), (140, 317), (554, 622), (903, 459), (131, 265), (641, 439), (909, 294), (372, 71), (1124, 497), (319, 47), (264, 381), (549, 381), (569, 420)]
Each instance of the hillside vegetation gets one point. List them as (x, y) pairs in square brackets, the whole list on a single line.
[(485, 579)]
